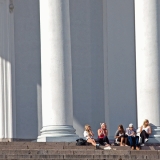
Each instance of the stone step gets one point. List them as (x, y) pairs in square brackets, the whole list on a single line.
[(39, 143), (104, 155), (64, 146), (47, 147), (69, 151)]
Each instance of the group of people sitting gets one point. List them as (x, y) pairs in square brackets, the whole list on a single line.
[(132, 137)]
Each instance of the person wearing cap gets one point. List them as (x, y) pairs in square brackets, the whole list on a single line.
[(102, 135), (132, 138)]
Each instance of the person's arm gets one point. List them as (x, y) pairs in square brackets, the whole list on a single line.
[(100, 132), (127, 132), (117, 134), (134, 132), (106, 132), (141, 129), (149, 130), (92, 133)]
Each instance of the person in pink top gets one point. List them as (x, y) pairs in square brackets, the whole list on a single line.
[(102, 135)]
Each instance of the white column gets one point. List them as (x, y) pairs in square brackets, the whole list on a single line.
[(7, 71), (57, 109), (148, 64)]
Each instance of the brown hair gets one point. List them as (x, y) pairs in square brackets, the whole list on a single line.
[(121, 127)]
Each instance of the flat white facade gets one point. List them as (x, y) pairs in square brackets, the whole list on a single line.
[(67, 63)]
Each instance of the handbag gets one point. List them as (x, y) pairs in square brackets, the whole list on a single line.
[(81, 142)]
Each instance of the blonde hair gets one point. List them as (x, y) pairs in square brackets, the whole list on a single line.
[(145, 121), (87, 128), (103, 124)]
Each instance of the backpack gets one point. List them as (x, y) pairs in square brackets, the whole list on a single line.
[(81, 142)]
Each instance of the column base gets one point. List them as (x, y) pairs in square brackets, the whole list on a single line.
[(58, 133), (155, 136), (153, 140), (6, 139), (16, 140)]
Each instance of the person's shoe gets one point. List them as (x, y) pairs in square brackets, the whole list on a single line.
[(107, 148), (116, 141), (97, 146), (140, 140), (107, 145), (137, 148), (146, 140), (142, 144), (132, 148)]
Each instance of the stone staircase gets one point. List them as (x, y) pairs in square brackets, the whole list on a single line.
[(69, 151)]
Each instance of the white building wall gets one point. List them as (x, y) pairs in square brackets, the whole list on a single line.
[(103, 65), (120, 64), (86, 18), (103, 29)]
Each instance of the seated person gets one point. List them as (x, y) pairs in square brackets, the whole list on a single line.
[(120, 137), (132, 138), (102, 135), (145, 131), (88, 134)]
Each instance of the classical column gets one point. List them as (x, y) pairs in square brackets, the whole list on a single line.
[(7, 72), (148, 64), (57, 109)]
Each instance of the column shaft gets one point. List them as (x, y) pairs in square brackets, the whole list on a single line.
[(7, 72), (56, 71), (147, 62)]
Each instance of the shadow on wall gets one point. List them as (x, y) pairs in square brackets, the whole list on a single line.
[(87, 64), (27, 69)]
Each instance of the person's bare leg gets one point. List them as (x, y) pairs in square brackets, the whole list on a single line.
[(125, 142), (92, 141), (122, 139)]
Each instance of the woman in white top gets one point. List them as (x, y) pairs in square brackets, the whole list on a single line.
[(88, 134), (145, 131)]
